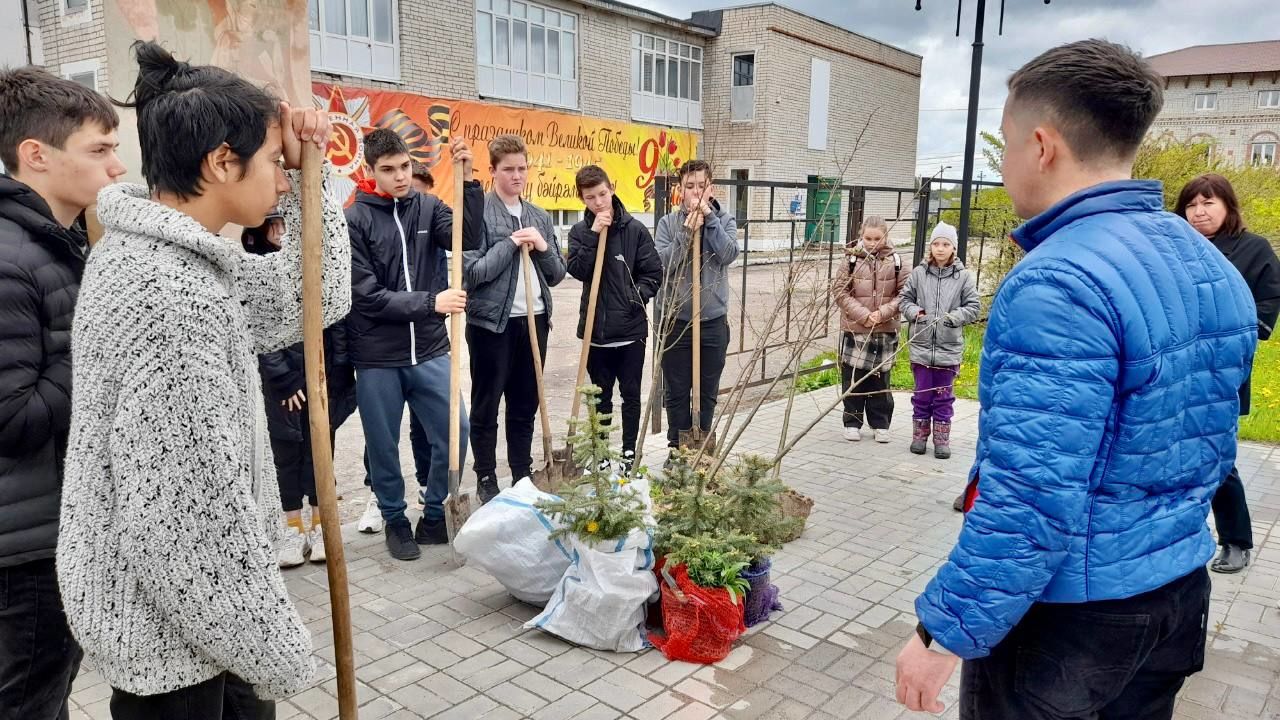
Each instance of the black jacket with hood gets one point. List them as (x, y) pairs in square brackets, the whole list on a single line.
[(631, 276), (41, 263), (1254, 257), (394, 268)]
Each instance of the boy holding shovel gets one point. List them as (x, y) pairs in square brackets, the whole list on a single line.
[(629, 277), (499, 318), (698, 215)]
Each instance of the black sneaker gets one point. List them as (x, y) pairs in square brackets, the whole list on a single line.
[(431, 533), (400, 540), (487, 488), (628, 463)]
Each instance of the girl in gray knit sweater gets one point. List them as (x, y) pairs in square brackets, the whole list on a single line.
[(169, 506)]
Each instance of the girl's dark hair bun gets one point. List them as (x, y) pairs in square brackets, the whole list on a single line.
[(157, 71)]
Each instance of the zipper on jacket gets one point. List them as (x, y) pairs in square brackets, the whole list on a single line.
[(408, 281)]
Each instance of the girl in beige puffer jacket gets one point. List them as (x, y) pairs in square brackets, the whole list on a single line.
[(866, 290)]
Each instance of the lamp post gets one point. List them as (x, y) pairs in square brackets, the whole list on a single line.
[(971, 129)]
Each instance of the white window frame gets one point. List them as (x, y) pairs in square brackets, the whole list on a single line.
[(1269, 99), (1268, 152), (742, 98), (325, 43), (523, 78), (67, 16), (738, 200), (1212, 103), (684, 107), (83, 67)]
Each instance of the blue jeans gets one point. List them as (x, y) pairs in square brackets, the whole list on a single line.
[(421, 452), (381, 394)]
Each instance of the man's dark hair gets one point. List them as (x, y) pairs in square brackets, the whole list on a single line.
[(35, 105), (1213, 185), (187, 111), (590, 176), (1101, 96), (420, 172), (381, 143), (694, 166)]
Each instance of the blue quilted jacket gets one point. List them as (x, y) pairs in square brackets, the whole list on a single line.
[(1109, 381)]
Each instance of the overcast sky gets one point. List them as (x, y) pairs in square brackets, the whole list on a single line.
[(1030, 27)]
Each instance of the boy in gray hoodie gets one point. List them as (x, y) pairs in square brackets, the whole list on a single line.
[(674, 239)]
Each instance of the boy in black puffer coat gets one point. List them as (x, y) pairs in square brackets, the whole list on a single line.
[(631, 276)]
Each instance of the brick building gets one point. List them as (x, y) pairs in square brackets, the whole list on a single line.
[(1224, 95), (776, 95)]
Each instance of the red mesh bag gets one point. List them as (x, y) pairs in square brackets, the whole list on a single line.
[(700, 624)]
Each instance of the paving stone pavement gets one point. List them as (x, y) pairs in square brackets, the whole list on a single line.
[(437, 641)]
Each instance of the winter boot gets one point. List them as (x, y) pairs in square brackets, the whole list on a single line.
[(919, 436), (487, 488), (942, 440)]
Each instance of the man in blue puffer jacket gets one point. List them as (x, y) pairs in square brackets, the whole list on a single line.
[(1108, 386)]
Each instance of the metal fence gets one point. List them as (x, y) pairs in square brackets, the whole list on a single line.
[(775, 227)]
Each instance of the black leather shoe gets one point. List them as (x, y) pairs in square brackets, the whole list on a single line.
[(487, 488), (431, 533), (1232, 559), (400, 540)]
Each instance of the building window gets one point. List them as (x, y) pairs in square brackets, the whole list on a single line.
[(1206, 101), (527, 52), (71, 7), (738, 199), (355, 37), (1262, 153), (1269, 99), (565, 218), (84, 72), (74, 12), (742, 102), (666, 81)]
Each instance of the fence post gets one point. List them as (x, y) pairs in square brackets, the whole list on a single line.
[(922, 219)]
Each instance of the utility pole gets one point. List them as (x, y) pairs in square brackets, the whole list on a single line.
[(971, 129)]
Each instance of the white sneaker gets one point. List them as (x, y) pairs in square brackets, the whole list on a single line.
[(371, 520), (315, 539), (882, 436), (853, 434), (293, 548)]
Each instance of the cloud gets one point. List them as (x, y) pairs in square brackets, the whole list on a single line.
[(1149, 26)]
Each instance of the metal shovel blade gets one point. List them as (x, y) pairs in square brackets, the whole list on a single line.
[(457, 510), (693, 438), (560, 470)]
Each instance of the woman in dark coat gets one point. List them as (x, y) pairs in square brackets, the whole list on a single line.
[(284, 391), (1209, 204)]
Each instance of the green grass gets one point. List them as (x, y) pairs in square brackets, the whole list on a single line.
[(1263, 422), (1261, 425)]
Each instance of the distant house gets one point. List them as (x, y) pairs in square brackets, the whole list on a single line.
[(1225, 95)]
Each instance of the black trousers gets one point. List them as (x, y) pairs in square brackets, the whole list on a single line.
[(38, 657), (623, 366), (502, 367), (677, 375), (870, 399), (1107, 660), (295, 470), (1231, 513), (225, 697)]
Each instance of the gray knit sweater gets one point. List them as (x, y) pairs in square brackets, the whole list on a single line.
[(169, 504)]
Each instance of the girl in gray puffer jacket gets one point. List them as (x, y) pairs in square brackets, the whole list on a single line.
[(938, 300)]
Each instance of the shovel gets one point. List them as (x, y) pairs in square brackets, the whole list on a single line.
[(564, 456), (694, 438), (552, 475), (457, 504)]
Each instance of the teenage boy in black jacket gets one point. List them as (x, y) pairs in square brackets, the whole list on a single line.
[(631, 276), (58, 144), (498, 320), (396, 332)]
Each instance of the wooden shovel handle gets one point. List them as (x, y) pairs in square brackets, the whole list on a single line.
[(696, 315), (590, 324), (318, 416), (455, 331), (536, 347)]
